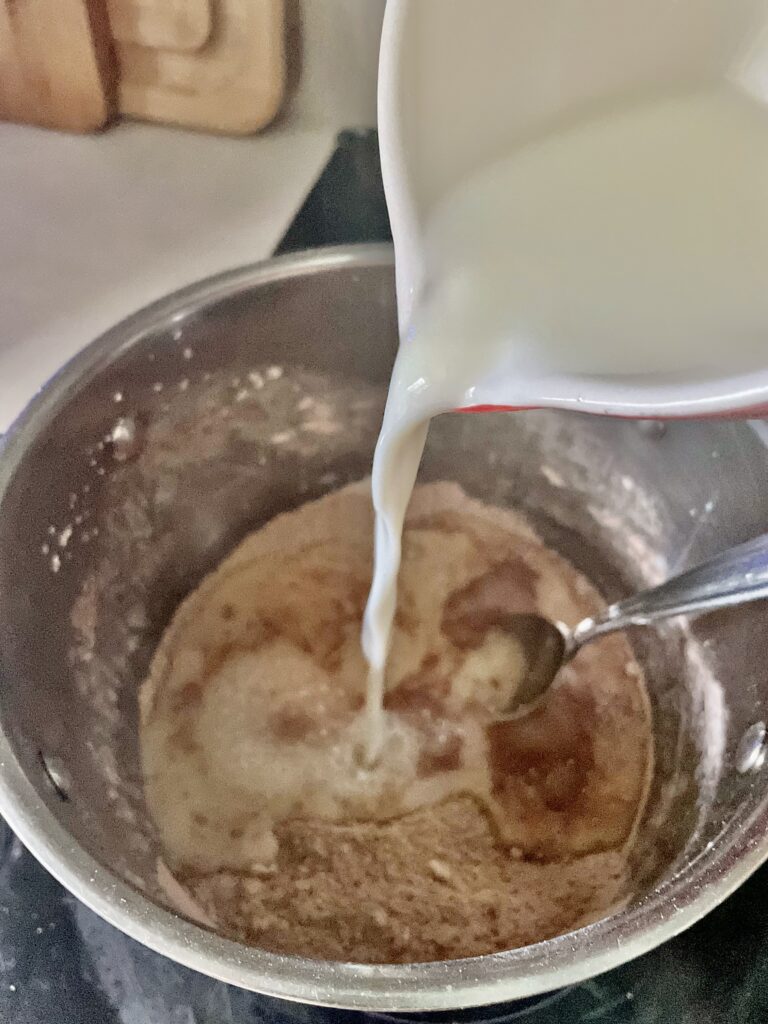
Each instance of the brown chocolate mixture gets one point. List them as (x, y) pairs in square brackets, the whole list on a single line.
[(265, 657)]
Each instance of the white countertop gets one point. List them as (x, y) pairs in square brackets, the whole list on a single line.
[(93, 228)]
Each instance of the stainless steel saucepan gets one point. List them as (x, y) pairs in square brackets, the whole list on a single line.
[(155, 450)]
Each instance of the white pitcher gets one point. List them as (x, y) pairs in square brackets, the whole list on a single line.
[(462, 83)]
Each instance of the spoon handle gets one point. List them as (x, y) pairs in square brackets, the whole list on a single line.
[(735, 577)]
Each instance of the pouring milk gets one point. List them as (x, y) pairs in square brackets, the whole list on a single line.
[(613, 261)]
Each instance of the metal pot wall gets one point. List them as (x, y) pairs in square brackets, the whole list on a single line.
[(164, 442)]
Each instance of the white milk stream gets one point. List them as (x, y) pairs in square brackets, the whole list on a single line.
[(633, 243)]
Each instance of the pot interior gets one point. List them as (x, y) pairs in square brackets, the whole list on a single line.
[(171, 439)]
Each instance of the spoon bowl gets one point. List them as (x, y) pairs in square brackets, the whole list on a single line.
[(736, 576), (545, 650)]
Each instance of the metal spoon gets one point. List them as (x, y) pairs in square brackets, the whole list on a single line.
[(735, 577)]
